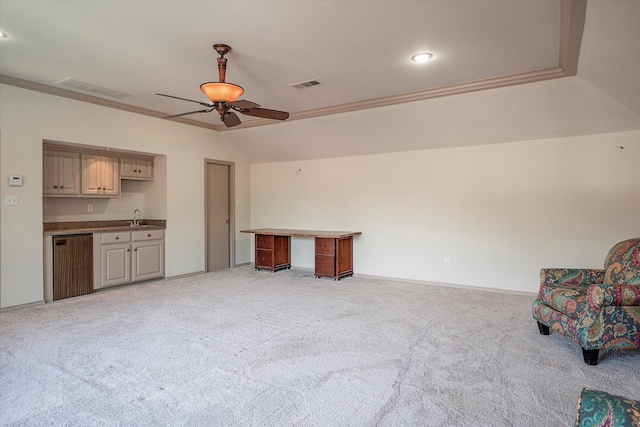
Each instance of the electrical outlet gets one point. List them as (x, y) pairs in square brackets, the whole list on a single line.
[(446, 262), (89, 208), (11, 200), (356, 255)]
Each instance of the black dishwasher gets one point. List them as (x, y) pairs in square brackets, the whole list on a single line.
[(72, 265)]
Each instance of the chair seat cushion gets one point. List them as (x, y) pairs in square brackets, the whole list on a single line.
[(565, 298)]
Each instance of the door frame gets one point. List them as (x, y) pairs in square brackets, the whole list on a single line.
[(232, 212)]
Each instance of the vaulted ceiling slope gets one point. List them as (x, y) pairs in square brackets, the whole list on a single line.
[(372, 98)]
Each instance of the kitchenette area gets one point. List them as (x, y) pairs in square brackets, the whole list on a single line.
[(103, 219)]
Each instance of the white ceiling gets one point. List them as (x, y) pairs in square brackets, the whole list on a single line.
[(358, 50)]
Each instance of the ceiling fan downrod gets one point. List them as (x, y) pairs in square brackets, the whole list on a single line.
[(222, 49)]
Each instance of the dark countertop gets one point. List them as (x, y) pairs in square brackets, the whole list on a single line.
[(77, 227)]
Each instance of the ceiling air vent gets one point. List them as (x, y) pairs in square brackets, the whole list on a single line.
[(72, 83), (305, 84)]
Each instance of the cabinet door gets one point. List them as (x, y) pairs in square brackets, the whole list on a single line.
[(148, 260), (110, 175), (128, 168), (145, 169), (100, 175), (116, 264), (60, 172), (49, 172), (68, 173), (91, 183)]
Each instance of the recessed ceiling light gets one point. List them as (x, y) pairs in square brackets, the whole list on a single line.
[(3, 35), (421, 57)]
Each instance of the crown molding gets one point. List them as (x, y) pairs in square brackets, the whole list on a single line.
[(77, 96), (491, 83)]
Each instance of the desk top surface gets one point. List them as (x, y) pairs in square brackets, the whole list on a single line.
[(302, 233)]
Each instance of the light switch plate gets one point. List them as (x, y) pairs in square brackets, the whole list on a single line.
[(15, 180), (11, 200)]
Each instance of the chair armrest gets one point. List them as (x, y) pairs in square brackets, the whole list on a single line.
[(571, 276), (597, 408), (599, 296)]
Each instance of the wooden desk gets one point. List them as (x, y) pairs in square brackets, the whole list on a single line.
[(333, 250)]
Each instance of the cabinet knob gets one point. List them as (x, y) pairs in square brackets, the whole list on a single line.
[(148, 235), (128, 250), (55, 186), (117, 238), (136, 249), (62, 186)]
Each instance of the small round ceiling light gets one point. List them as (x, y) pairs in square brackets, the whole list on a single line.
[(421, 58), (3, 35)]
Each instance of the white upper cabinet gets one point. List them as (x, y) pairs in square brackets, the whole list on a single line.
[(100, 175), (60, 173), (138, 169)]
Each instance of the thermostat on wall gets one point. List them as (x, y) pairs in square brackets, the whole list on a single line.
[(15, 180)]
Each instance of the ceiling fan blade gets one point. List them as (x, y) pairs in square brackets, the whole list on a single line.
[(266, 113), (243, 104), (231, 119), (185, 99), (185, 114)]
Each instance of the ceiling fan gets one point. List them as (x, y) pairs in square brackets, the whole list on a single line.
[(224, 98)]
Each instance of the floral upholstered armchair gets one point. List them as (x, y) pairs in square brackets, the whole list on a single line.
[(597, 309), (599, 409)]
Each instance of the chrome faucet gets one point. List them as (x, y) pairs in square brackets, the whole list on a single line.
[(135, 222)]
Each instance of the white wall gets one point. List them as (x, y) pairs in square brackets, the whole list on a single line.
[(30, 117), (498, 212)]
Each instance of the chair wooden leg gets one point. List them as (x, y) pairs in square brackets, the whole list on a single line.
[(544, 329), (590, 356)]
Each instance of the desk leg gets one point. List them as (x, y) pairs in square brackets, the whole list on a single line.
[(344, 257)]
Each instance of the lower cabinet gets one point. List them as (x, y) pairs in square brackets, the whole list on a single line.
[(131, 256)]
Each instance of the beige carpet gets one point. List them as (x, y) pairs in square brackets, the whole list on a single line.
[(249, 348)]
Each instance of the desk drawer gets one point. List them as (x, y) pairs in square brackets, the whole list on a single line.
[(264, 259), (264, 242), (325, 266), (325, 246)]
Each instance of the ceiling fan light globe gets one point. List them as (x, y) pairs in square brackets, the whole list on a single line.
[(221, 92)]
